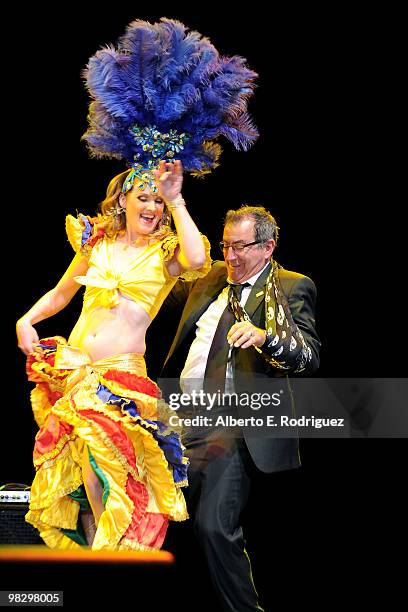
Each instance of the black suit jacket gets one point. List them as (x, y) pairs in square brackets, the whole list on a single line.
[(269, 454)]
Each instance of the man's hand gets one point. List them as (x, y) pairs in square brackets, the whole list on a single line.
[(245, 334), (169, 179)]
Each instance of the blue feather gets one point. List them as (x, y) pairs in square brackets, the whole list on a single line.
[(163, 76)]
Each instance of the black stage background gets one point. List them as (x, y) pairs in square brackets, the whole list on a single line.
[(322, 165)]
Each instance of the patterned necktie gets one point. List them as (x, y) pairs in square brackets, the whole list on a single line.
[(217, 357)]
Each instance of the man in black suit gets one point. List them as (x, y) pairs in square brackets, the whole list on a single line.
[(271, 335)]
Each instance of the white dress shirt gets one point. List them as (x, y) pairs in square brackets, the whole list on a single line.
[(194, 369)]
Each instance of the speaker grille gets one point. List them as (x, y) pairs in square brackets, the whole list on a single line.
[(13, 527)]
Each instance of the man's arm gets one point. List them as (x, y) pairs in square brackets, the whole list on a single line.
[(178, 295), (296, 349)]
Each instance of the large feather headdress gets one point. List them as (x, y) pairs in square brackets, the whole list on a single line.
[(165, 92)]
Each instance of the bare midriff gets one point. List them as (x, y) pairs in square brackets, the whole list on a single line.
[(104, 332)]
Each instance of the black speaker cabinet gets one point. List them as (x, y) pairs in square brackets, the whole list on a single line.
[(13, 527)]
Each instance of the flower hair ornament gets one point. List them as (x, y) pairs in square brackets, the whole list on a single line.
[(165, 92)]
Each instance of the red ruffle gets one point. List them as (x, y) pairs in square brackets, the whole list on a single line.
[(100, 232), (133, 382), (32, 375), (49, 435), (150, 530), (53, 396)]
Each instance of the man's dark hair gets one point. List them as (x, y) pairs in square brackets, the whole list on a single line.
[(265, 226)]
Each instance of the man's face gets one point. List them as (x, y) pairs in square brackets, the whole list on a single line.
[(243, 264)]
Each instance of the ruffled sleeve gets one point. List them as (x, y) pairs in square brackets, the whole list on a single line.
[(83, 232), (169, 245)]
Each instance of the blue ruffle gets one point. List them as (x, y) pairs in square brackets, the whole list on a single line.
[(86, 233), (170, 444)]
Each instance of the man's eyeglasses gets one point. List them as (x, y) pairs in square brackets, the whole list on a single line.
[(237, 247)]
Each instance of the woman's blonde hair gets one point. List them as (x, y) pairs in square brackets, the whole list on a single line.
[(115, 222)]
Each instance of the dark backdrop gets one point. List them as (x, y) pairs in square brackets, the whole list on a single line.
[(324, 167)]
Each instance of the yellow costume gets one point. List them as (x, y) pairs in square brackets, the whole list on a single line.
[(111, 408), (144, 280)]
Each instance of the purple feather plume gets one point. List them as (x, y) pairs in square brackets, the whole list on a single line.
[(164, 77)]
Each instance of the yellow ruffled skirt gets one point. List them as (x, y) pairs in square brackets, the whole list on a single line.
[(115, 412)]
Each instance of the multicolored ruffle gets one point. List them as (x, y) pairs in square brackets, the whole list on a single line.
[(119, 416), (84, 232)]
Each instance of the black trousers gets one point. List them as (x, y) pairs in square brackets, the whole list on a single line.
[(219, 486)]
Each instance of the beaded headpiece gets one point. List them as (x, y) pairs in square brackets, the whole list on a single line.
[(165, 92)]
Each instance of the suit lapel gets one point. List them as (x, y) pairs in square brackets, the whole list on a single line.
[(203, 294), (205, 291), (257, 295), (201, 297)]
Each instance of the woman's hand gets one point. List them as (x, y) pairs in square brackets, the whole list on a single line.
[(169, 179), (27, 336), (244, 334)]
